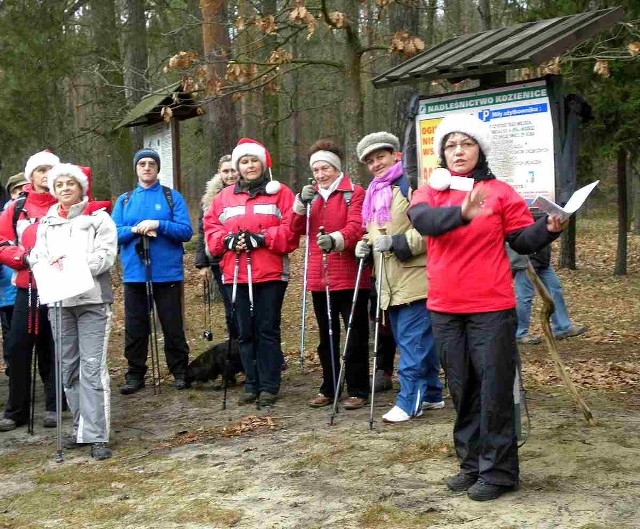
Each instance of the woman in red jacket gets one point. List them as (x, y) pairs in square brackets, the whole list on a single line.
[(248, 225), (336, 205)]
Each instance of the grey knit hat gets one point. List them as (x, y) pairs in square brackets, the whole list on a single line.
[(376, 141)]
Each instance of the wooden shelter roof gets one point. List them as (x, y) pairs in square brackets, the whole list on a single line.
[(496, 50)]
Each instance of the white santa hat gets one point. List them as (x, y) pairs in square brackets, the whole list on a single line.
[(467, 124), (42, 158), (67, 169), (249, 147)]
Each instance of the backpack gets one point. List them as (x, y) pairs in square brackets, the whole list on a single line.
[(17, 210), (165, 190)]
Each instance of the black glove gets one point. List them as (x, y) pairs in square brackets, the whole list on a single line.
[(231, 241), (254, 240)]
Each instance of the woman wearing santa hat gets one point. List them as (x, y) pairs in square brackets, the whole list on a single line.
[(467, 215), (74, 225), (248, 225)]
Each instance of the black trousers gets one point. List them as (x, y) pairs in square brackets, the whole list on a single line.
[(478, 353), (232, 326), (168, 301), (260, 339), (29, 328), (357, 356)]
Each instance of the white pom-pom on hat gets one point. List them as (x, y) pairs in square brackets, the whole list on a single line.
[(249, 147), (440, 179)]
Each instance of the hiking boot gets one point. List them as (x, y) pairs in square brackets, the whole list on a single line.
[(382, 381), (461, 481), (320, 400), (483, 491), (574, 330), (100, 451), (180, 382), (131, 385), (50, 420), (247, 398), (529, 340), (353, 403), (433, 405), (266, 399), (6, 425)]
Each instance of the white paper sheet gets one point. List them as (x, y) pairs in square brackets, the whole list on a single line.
[(56, 284), (573, 205)]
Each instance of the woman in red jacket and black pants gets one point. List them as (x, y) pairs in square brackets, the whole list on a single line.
[(248, 225), (336, 205)]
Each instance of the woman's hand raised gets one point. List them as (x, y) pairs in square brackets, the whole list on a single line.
[(473, 204)]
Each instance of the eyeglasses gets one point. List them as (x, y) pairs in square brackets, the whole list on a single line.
[(465, 145)]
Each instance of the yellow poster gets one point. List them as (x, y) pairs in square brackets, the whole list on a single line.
[(428, 158)]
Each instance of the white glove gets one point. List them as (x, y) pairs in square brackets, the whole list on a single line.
[(362, 250), (146, 226), (384, 243)]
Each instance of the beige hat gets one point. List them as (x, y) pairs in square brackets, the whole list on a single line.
[(15, 181)]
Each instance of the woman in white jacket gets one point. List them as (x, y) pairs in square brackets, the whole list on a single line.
[(75, 226)]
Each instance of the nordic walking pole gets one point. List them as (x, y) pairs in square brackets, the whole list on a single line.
[(31, 324), (303, 325), (346, 341), (153, 331), (57, 315), (376, 336), (234, 290), (325, 267)]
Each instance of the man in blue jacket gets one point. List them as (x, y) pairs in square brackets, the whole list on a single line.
[(160, 214)]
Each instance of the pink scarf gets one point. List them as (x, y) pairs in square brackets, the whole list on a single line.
[(377, 202)]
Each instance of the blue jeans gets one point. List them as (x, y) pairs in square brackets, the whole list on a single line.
[(418, 366), (259, 340), (560, 321)]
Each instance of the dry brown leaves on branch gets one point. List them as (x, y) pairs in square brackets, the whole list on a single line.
[(551, 67), (280, 56), (405, 44), (166, 114), (181, 60), (240, 73), (301, 15), (633, 48), (602, 68), (250, 423), (267, 25), (338, 19)]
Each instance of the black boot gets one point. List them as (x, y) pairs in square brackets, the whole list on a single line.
[(131, 385)]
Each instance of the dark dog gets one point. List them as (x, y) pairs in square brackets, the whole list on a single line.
[(210, 364)]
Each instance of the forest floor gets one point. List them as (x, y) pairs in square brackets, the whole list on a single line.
[(179, 461)]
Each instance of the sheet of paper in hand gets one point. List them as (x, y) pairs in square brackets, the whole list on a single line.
[(59, 283), (573, 205)]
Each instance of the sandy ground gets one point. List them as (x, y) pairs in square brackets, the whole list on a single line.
[(182, 462)]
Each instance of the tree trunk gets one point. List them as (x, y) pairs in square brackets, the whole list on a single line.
[(135, 45), (297, 171), (221, 130), (621, 252), (353, 104), (568, 246), (484, 8), (113, 153), (271, 101), (635, 176)]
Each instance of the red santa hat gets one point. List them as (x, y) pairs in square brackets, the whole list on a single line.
[(249, 147), (39, 159)]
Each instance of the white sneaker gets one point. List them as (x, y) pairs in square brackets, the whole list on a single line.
[(433, 405), (395, 415)]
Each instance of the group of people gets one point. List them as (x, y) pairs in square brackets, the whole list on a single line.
[(435, 255)]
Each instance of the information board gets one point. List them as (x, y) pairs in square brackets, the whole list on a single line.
[(158, 137), (519, 116)]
